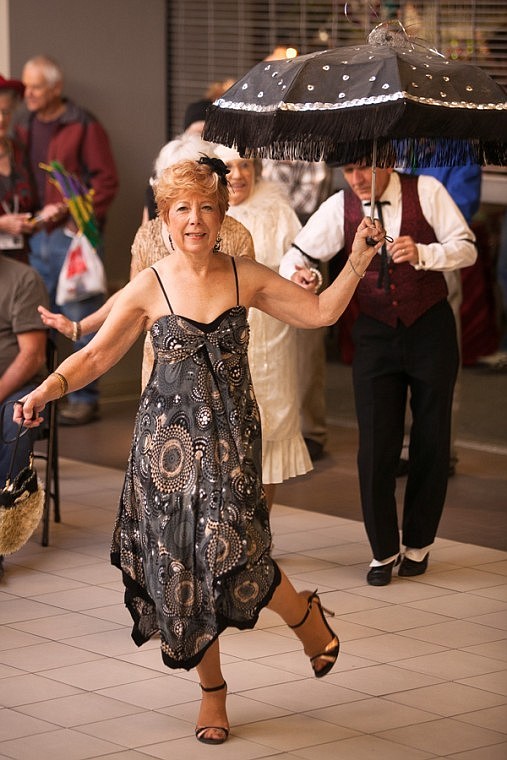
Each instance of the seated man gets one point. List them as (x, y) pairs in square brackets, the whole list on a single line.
[(22, 353)]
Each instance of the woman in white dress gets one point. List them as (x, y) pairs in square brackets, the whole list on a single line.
[(264, 210)]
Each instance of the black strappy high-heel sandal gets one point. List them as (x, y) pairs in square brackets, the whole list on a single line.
[(330, 653), (200, 731)]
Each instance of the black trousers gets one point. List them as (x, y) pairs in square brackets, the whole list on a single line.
[(391, 364)]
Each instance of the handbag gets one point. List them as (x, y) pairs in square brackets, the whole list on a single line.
[(82, 274), (21, 502)]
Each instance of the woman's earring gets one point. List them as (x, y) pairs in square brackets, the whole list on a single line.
[(170, 240), (216, 247)]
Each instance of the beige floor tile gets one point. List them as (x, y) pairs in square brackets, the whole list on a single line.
[(362, 748), (155, 693), (116, 613), (11, 638), (452, 665), (40, 657), (372, 715), (246, 675), (496, 592), (78, 709), (349, 631), (81, 600), (495, 649), (50, 559), (258, 643), (494, 567), (290, 733), (457, 633), (240, 710), (293, 564), (343, 602), (27, 689), (443, 736), (495, 682), (100, 674), (395, 618), (62, 744), (235, 748), (493, 718), (109, 643), (17, 609), (460, 605), (7, 672), (147, 657), (139, 729), (14, 724), (390, 647), (299, 696), (126, 754), (467, 555), (297, 664), (30, 583), (65, 625), (467, 579), (379, 680), (493, 619), (95, 574), (495, 752), (448, 699)]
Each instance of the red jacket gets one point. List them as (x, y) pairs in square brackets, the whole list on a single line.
[(81, 145)]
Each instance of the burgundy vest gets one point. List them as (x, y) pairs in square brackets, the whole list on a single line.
[(412, 291)]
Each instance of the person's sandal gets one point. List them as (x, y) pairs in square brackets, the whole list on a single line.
[(330, 653), (200, 731)]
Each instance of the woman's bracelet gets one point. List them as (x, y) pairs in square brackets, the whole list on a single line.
[(358, 274), (64, 386), (318, 276), (76, 331)]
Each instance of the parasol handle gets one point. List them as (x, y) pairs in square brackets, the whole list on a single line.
[(370, 240)]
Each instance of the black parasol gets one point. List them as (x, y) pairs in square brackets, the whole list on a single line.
[(392, 102)]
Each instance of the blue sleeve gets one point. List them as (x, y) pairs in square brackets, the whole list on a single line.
[(463, 183)]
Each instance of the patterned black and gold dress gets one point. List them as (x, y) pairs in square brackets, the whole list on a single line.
[(192, 535)]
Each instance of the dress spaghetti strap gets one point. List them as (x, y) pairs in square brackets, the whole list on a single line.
[(236, 278), (163, 289)]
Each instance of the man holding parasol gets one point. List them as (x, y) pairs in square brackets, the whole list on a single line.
[(394, 102), (405, 346)]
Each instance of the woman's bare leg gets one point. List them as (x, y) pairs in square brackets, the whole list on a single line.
[(292, 606), (269, 490), (212, 711)]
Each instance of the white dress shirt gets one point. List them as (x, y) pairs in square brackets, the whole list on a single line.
[(322, 237)]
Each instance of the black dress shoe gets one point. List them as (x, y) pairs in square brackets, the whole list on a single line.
[(409, 567), (381, 575)]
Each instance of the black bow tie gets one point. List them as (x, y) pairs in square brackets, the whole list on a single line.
[(378, 203)]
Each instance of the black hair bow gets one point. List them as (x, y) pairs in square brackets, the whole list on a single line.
[(216, 165)]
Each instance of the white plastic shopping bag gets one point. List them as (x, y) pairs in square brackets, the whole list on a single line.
[(82, 274)]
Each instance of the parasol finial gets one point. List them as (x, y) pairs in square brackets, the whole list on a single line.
[(391, 33)]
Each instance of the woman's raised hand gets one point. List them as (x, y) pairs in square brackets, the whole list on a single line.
[(56, 321), (368, 228)]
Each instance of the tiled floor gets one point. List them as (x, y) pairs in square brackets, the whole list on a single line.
[(422, 673)]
